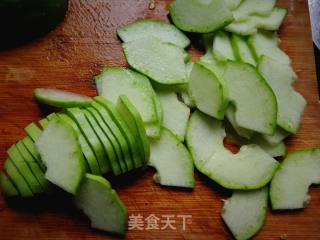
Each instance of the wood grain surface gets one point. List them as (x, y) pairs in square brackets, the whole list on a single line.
[(68, 58)]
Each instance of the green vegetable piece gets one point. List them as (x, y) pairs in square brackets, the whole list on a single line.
[(245, 212), (251, 168), (289, 186), (291, 104), (105, 164), (7, 186), (24, 169), (251, 25), (101, 204), (183, 92), (117, 134), (60, 151), (60, 98), (17, 179), (242, 50), (107, 146), (267, 44), (254, 101), (274, 150), (222, 48), (233, 4), (120, 81), (134, 122), (278, 136), (91, 162), (200, 16), (33, 131), (29, 144), (243, 132), (118, 161), (33, 165), (211, 63), (153, 130), (43, 122), (253, 7), (172, 161), (52, 116), (78, 116), (162, 62), (277, 150), (124, 129), (153, 28), (176, 113), (207, 91)]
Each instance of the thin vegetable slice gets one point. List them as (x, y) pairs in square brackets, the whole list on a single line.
[(110, 161), (274, 150), (24, 169), (222, 48), (278, 136), (17, 179), (153, 129), (253, 7), (245, 212), (33, 131), (60, 151), (101, 204), (242, 50), (43, 122), (183, 92), (277, 150), (254, 101), (267, 43), (7, 186), (176, 113), (116, 165), (60, 98), (120, 81), (133, 148), (289, 187), (134, 121), (91, 160), (52, 116), (154, 28), (162, 62), (29, 144), (210, 62), (291, 104), (34, 166), (77, 115), (250, 168), (251, 25), (172, 161), (117, 135), (207, 91), (243, 132), (200, 16)]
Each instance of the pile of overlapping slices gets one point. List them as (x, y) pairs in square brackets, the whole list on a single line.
[(173, 114)]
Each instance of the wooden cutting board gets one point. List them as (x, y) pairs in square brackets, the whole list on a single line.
[(68, 58)]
